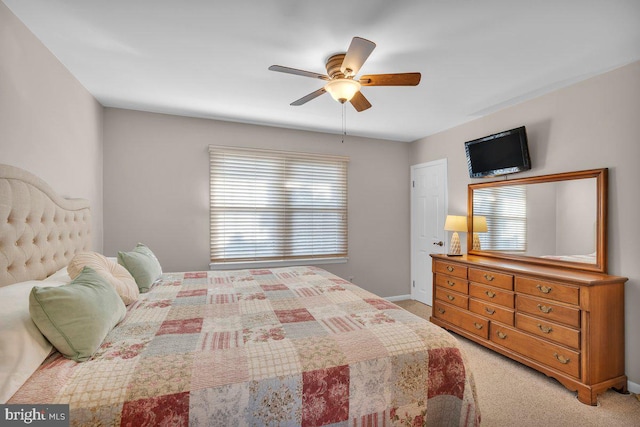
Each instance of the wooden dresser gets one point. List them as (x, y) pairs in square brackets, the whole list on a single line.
[(564, 323)]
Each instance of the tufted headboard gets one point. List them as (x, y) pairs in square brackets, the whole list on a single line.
[(39, 230)]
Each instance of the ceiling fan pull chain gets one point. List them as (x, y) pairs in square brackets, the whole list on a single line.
[(344, 120)]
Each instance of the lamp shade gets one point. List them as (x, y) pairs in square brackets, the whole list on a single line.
[(342, 90), (479, 224), (456, 223)]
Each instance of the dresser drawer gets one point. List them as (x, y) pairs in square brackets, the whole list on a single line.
[(459, 300), (550, 290), (453, 283), (549, 310), (492, 311), (499, 280), (463, 319), (549, 330), (451, 269), (492, 295), (553, 355)]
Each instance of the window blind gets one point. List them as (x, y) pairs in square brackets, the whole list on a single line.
[(506, 211), (273, 205)]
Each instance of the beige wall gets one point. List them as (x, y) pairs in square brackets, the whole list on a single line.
[(592, 124), (156, 183), (49, 124)]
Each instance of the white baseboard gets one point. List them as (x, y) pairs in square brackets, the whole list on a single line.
[(398, 298)]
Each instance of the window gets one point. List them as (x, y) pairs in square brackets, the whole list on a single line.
[(506, 211), (276, 206)]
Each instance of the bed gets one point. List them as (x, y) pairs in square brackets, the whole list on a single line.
[(585, 259), (279, 346)]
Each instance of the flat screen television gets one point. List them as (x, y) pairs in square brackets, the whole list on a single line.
[(498, 154)]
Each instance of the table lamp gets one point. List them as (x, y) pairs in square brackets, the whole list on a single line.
[(479, 226), (455, 223)]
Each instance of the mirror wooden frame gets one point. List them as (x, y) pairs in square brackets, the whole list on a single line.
[(601, 176)]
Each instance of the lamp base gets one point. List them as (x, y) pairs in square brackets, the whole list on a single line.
[(454, 247), (454, 254), (477, 246)]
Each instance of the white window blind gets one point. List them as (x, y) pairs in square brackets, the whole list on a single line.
[(506, 211), (275, 206)]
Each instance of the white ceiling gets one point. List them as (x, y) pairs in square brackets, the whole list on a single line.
[(209, 58)]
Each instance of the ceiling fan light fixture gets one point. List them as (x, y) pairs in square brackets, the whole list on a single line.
[(342, 90)]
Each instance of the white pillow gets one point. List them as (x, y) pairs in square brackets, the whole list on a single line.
[(22, 346), (61, 275)]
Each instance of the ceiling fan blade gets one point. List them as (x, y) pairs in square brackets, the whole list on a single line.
[(309, 97), (297, 72), (359, 102), (402, 79), (359, 51)]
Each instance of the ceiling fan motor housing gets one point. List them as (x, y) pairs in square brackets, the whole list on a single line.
[(333, 66)]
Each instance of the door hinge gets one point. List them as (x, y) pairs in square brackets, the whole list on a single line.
[(413, 184), (414, 283)]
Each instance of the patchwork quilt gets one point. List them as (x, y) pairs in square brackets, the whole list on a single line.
[(270, 347)]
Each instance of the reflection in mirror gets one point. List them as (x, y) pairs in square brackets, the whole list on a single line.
[(555, 219), (505, 211)]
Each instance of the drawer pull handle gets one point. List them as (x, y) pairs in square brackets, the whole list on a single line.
[(561, 358), (449, 268), (544, 289), (489, 277), (488, 310), (545, 309), (545, 329), (501, 335), (478, 325), (451, 297), (441, 310), (450, 283), (490, 294)]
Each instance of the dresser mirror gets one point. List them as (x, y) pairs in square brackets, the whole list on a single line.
[(558, 219)]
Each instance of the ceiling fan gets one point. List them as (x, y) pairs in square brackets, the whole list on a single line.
[(340, 77)]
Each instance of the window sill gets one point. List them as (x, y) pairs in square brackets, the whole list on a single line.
[(269, 264)]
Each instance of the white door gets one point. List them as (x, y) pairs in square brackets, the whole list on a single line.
[(428, 213)]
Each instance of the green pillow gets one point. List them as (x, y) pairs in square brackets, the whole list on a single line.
[(76, 317), (142, 264)]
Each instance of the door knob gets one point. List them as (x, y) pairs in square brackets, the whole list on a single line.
[(440, 243)]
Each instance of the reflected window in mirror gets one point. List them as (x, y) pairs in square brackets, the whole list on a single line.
[(505, 211)]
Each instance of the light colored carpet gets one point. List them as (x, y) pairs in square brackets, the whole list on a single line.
[(512, 394)]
